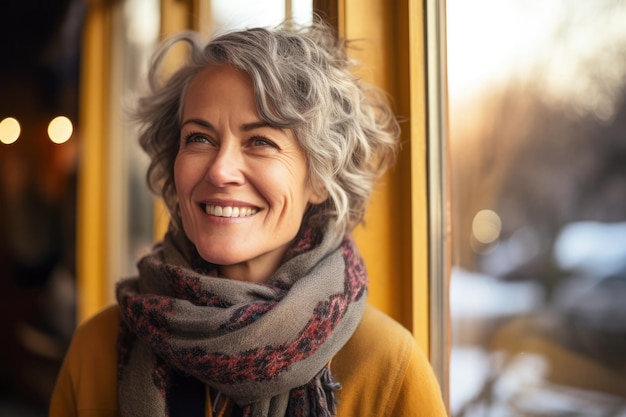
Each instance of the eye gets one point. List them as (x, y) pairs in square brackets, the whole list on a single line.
[(261, 142), (196, 137)]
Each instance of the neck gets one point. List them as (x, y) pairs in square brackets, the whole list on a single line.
[(257, 271)]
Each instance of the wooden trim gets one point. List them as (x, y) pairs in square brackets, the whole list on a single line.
[(384, 241), (414, 85), (333, 11), (288, 9), (394, 241), (177, 15), (327, 9), (438, 190), (92, 238)]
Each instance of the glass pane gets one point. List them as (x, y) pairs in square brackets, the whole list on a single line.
[(538, 176), (229, 14), (136, 25)]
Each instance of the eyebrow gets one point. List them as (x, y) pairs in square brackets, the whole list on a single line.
[(246, 127)]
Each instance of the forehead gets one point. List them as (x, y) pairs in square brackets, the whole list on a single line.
[(220, 73), (220, 85)]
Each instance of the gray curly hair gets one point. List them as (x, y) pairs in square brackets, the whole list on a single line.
[(303, 81)]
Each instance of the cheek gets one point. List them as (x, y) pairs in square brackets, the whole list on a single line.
[(183, 176), (178, 191), (176, 172), (183, 186), (282, 185)]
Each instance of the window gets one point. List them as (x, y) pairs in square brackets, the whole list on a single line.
[(538, 176)]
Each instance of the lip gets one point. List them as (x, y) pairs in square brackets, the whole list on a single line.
[(226, 203)]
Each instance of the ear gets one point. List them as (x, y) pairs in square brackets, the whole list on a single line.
[(318, 195)]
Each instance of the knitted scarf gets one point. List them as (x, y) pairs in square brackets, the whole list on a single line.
[(265, 346)]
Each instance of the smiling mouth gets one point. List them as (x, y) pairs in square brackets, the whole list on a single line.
[(229, 211)]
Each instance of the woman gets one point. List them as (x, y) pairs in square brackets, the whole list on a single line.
[(265, 149)]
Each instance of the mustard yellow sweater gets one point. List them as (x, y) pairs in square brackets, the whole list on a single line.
[(381, 370)]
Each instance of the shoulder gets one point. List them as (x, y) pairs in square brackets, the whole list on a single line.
[(103, 325), (383, 372), (375, 324), (87, 382), (378, 340), (97, 338)]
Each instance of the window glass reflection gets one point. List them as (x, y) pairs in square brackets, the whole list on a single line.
[(131, 219), (538, 175), (250, 13)]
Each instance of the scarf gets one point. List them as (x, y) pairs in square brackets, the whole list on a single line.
[(265, 346)]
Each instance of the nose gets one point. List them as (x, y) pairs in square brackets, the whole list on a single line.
[(226, 168)]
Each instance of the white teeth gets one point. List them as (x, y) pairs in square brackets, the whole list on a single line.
[(229, 211)]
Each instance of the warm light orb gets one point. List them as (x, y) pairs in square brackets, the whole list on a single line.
[(60, 129), (9, 130), (486, 226)]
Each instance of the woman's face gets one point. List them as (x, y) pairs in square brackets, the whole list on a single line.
[(241, 184)]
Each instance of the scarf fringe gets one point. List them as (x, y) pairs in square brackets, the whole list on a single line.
[(324, 397)]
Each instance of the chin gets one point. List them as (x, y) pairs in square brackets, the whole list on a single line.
[(217, 255)]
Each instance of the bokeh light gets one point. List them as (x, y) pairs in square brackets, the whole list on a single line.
[(9, 130), (60, 129), (486, 226)]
